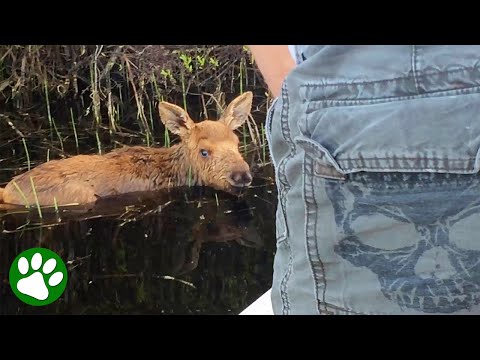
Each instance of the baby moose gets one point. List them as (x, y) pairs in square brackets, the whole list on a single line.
[(207, 155)]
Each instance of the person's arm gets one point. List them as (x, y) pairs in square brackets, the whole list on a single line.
[(274, 62)]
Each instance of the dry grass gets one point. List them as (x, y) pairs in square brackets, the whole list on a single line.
[(114, 90)]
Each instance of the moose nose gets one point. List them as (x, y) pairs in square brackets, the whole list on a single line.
[(240, 178)]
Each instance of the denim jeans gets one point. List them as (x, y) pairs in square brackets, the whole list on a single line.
[(376, 156)]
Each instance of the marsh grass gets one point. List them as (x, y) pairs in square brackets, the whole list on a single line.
[(166, 138), (63, 100), (55, 204), (264, 144), (49, 114), (184, 92), (27, 154), (74, 130), (189, 176), (22, 194), (39, 209)]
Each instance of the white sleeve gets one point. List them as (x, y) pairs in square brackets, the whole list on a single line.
[(293, 53)]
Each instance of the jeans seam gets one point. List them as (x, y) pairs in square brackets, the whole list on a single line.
[(282, 181), (284, 282), (432, 73), (414, 68), (311, 236), (322, 103)]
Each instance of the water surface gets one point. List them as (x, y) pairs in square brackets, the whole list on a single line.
[(186, 251)]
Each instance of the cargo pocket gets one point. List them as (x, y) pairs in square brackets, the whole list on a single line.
[(392, 202)]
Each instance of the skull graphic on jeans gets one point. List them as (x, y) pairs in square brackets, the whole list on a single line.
[(419, 233)]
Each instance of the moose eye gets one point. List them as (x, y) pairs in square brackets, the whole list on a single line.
[(204, 153)]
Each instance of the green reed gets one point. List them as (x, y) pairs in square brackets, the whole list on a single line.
[(74, 130), (39, 209)]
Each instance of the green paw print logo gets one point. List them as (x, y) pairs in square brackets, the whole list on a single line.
[(38, 276)]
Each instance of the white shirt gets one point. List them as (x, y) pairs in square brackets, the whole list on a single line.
[(291, 48)]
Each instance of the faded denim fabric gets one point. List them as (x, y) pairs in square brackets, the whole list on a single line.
[(376, 156)]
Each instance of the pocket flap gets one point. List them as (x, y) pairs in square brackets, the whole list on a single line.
[(421, 134)]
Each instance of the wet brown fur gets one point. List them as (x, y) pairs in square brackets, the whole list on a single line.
[(83, 179)]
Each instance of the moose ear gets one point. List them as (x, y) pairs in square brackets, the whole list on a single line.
[(175, 118), (238, 110)]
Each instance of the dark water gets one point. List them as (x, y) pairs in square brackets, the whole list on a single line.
[(188, 251)]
